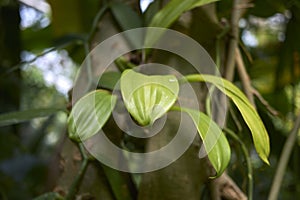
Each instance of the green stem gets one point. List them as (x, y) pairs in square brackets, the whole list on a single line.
[(76, 183), (89, 64), (87, 41), (191, 78), (175, 108), (97, 18), (247, 157)]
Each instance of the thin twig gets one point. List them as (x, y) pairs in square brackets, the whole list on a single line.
[(99, 15), (19, 65), (264, 102), (245, 51), (93, 29), (246, 82), (233, 42), (283, 161), (235, 119)]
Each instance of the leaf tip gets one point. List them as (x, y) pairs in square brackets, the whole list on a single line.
[(265, 159)]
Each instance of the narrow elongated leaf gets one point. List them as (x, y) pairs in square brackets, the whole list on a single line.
[(26, 115), (89, 114), (148, 98), (128, 19), (151, 10), (215, 142), (251, 117), (125, 16), (169, 14), (172, 11)]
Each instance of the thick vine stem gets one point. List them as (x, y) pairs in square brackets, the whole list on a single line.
[(283, 161), (76, 183)]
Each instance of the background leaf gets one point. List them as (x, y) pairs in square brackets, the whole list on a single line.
[(151, 10), (89, 114), (169, 14), (251, 117), (215, 142), (22, 116), (122, 11), (148, 98), (172, 11)]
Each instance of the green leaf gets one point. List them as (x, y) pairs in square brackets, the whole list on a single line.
[(251, 117), (151, 10), (215, 142), (128, 19), (169, 14), (125, 16), (49, 196), (172, 11), (90, 114), (109, 80), (148, 98), (26, 115)]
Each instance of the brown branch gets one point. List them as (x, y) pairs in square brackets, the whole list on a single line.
[(233, 42), (248, 89), (264, 102), (246, 82), (227, 189)]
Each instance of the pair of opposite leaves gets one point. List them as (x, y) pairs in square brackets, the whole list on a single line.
[(148, 98)]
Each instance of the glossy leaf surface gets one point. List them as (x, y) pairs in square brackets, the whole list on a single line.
[(89, 114), (251, 117), (148, 98), (214, 140)]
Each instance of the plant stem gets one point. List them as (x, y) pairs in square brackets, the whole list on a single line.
[(76, 183), (247, 157), (283, 161), (19, 65), (191, 78), (99, 15), (244, 76)]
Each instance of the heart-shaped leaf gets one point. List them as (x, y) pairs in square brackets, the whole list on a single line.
[(90, 114), (148, 98), (251, 117), (214, 140)]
